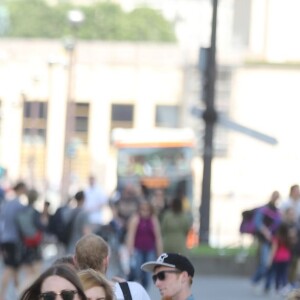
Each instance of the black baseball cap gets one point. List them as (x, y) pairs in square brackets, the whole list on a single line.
[(173, 260)]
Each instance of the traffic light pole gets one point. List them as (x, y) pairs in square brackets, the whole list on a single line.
[(210, 118)]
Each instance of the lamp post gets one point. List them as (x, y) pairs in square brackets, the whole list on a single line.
[(75, 18), (210, 118)]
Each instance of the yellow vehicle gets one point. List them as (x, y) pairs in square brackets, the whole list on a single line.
[(155, 159)]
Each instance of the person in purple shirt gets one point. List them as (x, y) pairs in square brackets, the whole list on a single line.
[(144, 241)]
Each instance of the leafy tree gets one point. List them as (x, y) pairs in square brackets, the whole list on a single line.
[(103, 20), (34, 19), (148, 24)]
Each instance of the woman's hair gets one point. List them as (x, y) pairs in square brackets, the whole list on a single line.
[(149, 205), (64, 271), (19, 186), (176, 205), (91, 278)]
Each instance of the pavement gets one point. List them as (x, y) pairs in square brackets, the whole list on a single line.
[(221, 288)]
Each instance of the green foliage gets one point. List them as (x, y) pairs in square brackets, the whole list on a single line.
[(150, 25), (205, 250), (34, 19), (103, 21)]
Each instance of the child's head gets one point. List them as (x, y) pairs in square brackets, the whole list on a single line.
[(282, 230), (283, 235)]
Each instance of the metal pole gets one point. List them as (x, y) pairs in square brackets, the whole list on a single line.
[(70, 47), (210, 117), (75, 17)]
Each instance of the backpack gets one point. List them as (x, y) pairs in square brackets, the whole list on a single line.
[(61, 226), (247, 224), (270, 219), (26, 222)]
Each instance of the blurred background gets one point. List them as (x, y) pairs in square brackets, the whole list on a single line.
[(108, 88)]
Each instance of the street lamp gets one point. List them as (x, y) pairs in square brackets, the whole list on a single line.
[(75, 18), (210, 118)]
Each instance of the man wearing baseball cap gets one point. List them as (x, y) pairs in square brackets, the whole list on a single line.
[(172, 275)]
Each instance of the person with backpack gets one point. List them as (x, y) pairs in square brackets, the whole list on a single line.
[(77, 224), (31, 228), (10, 238), (57, 224), (266, 221)]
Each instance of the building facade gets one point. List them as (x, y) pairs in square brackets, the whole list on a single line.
[(258, 79), (109, 85)]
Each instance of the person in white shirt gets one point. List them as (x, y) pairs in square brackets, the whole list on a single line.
[(293, 201), (95, 200), (92, 252)]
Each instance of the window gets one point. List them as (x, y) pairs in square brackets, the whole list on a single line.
[(35, 109), (82, 122), (167, 116), (34, 122), (122, 115)]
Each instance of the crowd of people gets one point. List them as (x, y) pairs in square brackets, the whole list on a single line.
[(145, 224), (83, 276), (277, 231)]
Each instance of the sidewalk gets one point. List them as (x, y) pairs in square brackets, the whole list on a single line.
[(221, 288)]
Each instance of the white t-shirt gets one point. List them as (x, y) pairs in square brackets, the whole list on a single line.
[(95, 198), (290, 203), (136, 290)]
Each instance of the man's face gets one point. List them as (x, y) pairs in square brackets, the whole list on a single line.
[(168, 281)]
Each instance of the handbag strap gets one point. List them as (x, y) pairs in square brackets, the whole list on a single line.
[(126, 291)]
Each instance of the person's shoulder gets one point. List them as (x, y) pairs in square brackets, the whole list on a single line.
[(117, 291), (137, 291), (168, 213), (285, 203), (83, 214), (17, 205)]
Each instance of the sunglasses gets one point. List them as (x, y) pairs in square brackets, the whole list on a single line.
[(162, 275), (65, 295)]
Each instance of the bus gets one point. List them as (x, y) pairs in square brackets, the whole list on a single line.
[(156, 159)]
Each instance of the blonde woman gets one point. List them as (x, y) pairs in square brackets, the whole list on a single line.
[(95, 285)]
